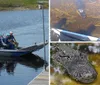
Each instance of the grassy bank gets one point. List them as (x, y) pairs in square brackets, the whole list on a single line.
[(20, 4)]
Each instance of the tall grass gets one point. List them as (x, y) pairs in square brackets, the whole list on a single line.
[(20, 3)]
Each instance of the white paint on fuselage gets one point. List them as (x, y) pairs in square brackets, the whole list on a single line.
[(74, 35)]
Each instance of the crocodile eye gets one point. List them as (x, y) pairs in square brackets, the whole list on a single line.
[(62, 55), (68, 56)]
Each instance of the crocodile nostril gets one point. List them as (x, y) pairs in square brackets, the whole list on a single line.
[(88, 75)]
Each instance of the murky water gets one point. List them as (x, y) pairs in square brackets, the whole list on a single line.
[(82, 16), (27, 28)]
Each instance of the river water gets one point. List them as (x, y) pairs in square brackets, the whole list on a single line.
[(27, 28)]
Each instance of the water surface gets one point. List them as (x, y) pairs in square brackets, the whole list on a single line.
[(27, 28)]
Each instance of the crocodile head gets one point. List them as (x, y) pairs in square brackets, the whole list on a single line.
[(75, 63), (82, 71)]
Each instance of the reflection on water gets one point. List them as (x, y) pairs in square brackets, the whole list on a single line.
[(8, 66), (20, 70), (80, 4), (10, 63), (27, 28)]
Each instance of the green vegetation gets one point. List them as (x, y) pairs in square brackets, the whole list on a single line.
[(20, 4)]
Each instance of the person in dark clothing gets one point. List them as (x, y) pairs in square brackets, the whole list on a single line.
[(1, 44), (12, 37), (10, 41), (2, 41)]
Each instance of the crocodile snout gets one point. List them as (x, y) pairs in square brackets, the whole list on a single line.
[(88, 77), (83, 73)]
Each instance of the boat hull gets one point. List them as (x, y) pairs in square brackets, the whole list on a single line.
[(22, 51), (15, 53)]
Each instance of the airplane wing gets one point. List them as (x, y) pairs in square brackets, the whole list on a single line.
[(64, 35)]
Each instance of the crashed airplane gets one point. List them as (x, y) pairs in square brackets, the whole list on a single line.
[(64, 35)]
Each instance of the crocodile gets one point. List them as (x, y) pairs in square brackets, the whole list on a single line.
[(74, 62)]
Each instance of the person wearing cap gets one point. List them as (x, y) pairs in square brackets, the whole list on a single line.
[(12, 37), (10, 40)]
